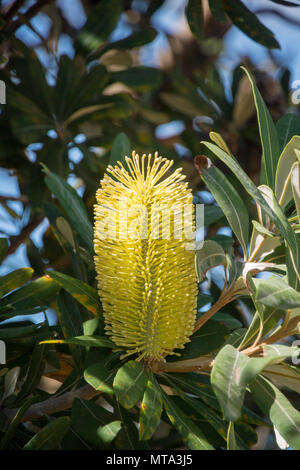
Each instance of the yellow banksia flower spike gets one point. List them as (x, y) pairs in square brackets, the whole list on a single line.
[(145, 270)]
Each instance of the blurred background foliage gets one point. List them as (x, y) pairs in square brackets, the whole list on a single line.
[(79, 73), (87, 81)]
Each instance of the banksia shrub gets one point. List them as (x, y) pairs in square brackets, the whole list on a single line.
[(144, 259)]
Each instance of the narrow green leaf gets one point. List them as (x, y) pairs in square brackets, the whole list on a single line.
[(120, 149), (137, 39), (194, 16), (129, 383), (283, 190), (277, 215), (71, 324), (285, 3), (34, 373), (270, 318), (231, 441), (73, 205), (268, 135), (275, 292), (128, 437), (85, 341), (140, 78), (223, 380), (14, 279), (93, 423), (283, 375), (212, 214), (295, 182), (8, 332), (276, 406), (50, 436), (13, 425), (206, 412), (100, 378), (229, 201), (217, 10), (101, 21), (254, 365), (3, 247), (248, 22), (210, 337), (82, 292), (210, 255), (287, 127), (37, 292), (192, 435), (151, 409)]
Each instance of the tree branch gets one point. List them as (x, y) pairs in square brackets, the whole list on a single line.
[(24, 234), (53, 404)]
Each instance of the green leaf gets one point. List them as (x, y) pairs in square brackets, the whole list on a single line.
[(229, 201), (38, 292), (206, 412), (293, 242), (287, 127), (212, 214), (140, 78), (268, 135), (129, 383), (85, 341), (71, 324), (128, 437), (270, 317), (181, 104), (295, 182), (195, 384), (100, 378), (137, 39), (223, 380), (3, 247), (283, 189), (34, 373), (14, 279), (101, 21), (276, 406), (213, 419), (285, 3), (236, 337), (211, 336), (210, 255), (275, 292), (93, 423), (248, 22), (7, 332), (194, 16), (73, 205), (283, 375), (120, 149), (50, 436), (217, 10), (192, 435), (151, 409), (276, 215), (30, 128), (231, 441), (82, 292), (13, 425), (254, 365)]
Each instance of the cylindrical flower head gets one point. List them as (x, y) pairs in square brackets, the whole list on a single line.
[(144, 227)]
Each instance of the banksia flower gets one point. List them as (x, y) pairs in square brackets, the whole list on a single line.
[(145, 266)]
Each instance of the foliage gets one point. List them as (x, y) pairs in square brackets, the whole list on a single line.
[(66, 380)]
